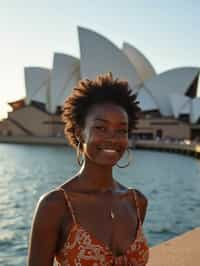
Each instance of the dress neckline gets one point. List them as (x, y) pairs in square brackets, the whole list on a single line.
[(78, 226)]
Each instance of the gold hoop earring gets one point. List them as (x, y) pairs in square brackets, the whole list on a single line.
[(129, 160), (79, 154)]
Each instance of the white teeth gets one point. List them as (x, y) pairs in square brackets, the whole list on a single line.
[(108, 150)]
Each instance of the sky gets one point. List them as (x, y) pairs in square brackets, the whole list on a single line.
[(166, 32)]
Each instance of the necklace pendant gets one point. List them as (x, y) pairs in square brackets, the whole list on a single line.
[(112, 214)]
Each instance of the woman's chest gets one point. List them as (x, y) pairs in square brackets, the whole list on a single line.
[(112, 221)]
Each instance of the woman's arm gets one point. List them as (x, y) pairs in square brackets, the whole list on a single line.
[(45, 229), (143, 203)]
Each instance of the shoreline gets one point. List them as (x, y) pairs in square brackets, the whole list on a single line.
[(180, 148), (33, 140)]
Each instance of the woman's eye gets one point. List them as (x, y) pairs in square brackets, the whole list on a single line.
[(123, 131), (117, 131), (101, 128)]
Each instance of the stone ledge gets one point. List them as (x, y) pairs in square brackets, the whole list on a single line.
[(33, 140), (183, 250)]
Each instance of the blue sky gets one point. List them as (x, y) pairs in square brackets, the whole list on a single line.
[(166, 32)]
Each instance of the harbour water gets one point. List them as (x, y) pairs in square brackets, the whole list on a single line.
[(171, 183)]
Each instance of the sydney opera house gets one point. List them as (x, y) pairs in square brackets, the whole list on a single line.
[(169, 101)]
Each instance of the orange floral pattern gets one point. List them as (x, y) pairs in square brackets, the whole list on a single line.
[(82, 249)]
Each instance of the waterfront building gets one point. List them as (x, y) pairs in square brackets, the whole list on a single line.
[(169, 102)]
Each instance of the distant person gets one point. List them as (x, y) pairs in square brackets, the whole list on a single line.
[(92, 219)]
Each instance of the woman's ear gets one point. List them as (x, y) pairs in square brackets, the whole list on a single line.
[(79, 134)]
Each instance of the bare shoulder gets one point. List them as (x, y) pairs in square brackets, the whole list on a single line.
[(51, 201), (143, 203), (141, 197), (45, 225), (49, 210), (126, 190)]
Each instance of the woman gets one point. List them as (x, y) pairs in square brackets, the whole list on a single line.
[(92, 219)]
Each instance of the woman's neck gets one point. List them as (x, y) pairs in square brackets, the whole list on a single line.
[(97, 177)]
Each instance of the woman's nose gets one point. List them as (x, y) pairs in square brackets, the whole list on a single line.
[(111, 134)]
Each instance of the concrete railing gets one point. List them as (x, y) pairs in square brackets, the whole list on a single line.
[(190, 149), (183, 250)]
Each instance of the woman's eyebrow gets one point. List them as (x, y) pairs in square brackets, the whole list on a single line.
[(100, 119), (106, 121)]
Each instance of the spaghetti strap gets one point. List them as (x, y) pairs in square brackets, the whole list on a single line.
[(68, 204), (136, 203)]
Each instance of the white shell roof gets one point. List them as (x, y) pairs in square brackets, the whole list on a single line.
[(186, 109), (99, 56), (164, 92), (36, 84), (65, 75), (173, 81), (146, 101), (195, 113), (143, 67), (179, 103)]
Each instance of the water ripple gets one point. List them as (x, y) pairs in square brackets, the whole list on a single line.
[(170, 182)]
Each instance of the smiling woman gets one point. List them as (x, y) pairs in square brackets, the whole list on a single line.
[(105, 134), (92, 219)]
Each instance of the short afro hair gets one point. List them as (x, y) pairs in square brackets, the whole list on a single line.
[(90, 92)]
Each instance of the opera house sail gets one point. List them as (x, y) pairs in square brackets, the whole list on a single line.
[(169, 102)]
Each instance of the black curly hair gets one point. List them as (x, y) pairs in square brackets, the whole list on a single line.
[(90, 92)]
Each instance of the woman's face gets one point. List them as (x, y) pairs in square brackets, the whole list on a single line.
[(105, 134)]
